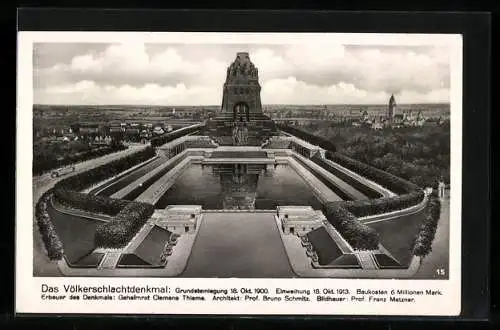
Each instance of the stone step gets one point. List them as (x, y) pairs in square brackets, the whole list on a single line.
[(110, 260), (366, 260)]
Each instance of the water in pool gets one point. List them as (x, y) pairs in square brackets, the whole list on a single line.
[(239, 186)]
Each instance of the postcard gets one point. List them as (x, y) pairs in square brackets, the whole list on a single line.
[(239, 173)]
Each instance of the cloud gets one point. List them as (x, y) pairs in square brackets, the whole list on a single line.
[(131, 64), (370, 69), (88, 92), (194, 74), (293, 91)]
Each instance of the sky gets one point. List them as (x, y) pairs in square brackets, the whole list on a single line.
[(191, 74)]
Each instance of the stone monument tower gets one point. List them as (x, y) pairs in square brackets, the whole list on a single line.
[(240, 120), (241, 91)]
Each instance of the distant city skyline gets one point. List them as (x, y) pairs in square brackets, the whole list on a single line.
[(193, 75)]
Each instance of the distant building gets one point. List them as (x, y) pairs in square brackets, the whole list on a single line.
[(392, 108), (158, 130), (132, 134), (377, 125), (89, 130), (365, 116), (115, 129)]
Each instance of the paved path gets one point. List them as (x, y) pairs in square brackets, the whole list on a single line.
[(44, 182), (80, 213), (366, 260)]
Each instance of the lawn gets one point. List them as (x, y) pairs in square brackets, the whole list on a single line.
[(397, 235), (149, 251), (76, 233)]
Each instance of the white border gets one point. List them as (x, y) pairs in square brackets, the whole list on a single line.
[(28, 287)]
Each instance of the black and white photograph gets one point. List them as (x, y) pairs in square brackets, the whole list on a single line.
[(258, 156)]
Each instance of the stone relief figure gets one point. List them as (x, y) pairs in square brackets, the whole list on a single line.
[(235, 135), (245, 134)]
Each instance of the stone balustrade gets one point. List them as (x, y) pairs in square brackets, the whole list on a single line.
[(179, 219), (299, 219)]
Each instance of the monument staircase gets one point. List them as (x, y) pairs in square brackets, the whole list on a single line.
[(240, 120), (259, 126)]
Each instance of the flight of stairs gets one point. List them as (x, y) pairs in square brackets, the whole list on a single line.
[(260, 128)]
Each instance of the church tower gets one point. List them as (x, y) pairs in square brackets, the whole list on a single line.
[(392, 108)]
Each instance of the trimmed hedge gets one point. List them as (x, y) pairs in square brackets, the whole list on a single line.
[(423, 242), (365, 208), (367, 191), (89, 202), (313, 139), (67, 192), (359, 236), (333, 187), (200, 144), (85, 179), (119, 231), (146, 184), (167, 137), (389, 181), (50, 239), (129, 216)]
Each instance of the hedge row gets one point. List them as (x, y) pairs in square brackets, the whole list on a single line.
[(88, 202), (313, 139), (333, 187), (145, 184), (167, 137), (119, 231), (200, 144), (363, 208), (67, 190), (42, 164), (359, 236), (50, 239), (423, 242), (102, 172), (389, 181), (367, 191)]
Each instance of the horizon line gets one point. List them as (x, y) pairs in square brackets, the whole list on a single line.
[(213, 105)]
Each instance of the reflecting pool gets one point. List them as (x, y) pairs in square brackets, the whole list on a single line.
[(239, 187)]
